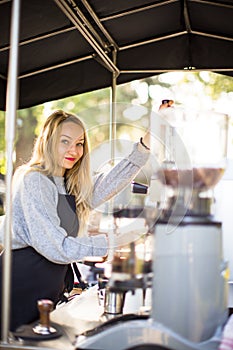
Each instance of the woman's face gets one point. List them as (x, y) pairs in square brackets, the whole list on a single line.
[(70, 145)]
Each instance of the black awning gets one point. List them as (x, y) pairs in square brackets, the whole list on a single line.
[(68, 47)]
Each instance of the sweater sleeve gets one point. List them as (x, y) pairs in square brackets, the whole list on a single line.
[(36, 223), (110, 184)]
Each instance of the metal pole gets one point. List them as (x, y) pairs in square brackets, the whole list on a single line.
[(112, 131), (11, 107), (112, 140)]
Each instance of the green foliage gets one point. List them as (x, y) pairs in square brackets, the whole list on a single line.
[(217, 84), (214, 84), (75, 104), (94, 108)]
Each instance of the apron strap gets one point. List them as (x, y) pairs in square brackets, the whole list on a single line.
[(72, 269), (83, 284)]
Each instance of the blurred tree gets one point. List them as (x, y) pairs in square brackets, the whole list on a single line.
[(27, 120), (216, 83), (94, 108)]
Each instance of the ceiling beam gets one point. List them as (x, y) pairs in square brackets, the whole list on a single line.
[(68, 11), (185, 69), (111, 41), (40, 37), (138, 9), (215, 3)]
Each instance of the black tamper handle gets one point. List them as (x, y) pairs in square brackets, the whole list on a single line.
[(138, 188)]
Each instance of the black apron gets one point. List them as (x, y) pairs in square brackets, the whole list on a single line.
[(34, 277)]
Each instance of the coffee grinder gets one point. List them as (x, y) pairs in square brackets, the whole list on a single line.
[(189, 272)]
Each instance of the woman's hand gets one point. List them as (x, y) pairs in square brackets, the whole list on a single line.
[(166, 104), (145, 140)]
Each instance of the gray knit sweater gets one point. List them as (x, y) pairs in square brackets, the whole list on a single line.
[(35, 221)]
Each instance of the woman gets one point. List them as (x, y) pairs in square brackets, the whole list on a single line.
[(52, 197)]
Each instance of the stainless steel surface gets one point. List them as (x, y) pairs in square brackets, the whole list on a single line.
[(113, 302)]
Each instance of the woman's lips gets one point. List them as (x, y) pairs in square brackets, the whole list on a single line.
[(70, 159)]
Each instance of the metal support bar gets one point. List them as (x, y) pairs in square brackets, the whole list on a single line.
[(170, 36), (99, 24), (112, 140), (4, 1), (213, 3), (3, 77), (88, 25), (214, 36), (151, 41), (11, 107), (186, 17), (112, 131), (185, 69), (73, 18), (135, 10), (40, 37), (56, 66)]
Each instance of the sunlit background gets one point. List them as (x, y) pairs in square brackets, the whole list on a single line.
[(199, 91)]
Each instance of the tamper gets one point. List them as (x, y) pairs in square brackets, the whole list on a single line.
[(45, 306)]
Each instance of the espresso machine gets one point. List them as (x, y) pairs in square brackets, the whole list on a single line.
[(189, 276)]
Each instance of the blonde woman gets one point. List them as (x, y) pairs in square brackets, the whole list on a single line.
[(52, 197)]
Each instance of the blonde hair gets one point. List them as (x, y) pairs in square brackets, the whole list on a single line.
[(44, 159)]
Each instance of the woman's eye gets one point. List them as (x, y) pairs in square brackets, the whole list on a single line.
[(80, 144), (65, 142)]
